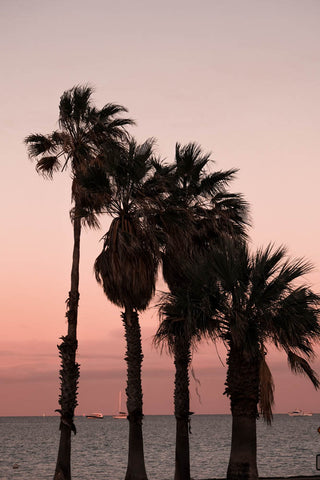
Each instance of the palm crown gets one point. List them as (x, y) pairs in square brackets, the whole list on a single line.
[(258, 303), (84, 131), (128, 263), (206, 210)]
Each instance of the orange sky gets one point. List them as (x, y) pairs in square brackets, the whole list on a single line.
[(240, 78)]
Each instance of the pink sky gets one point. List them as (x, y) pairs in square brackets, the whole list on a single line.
[(240, 78)]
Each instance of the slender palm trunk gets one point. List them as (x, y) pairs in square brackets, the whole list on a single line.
[(69, 373), (182, 357), (136, 467), (243, 390)]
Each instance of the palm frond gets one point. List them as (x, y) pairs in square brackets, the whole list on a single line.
[(228, 215), (300, 365), (115, 127), (110, 110), (81, 101), (65, 107), (266, 399), (214, 182), (61, 139), (191, 161), (296, 322), (88, 217), (231, 262), (274, 277), (293, 269), (267, 287), (74, 105), (39, 144), (267, 260), (46, 166)]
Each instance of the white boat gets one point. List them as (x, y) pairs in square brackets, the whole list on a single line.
[(95, 415), (120, 415), (299, 413)]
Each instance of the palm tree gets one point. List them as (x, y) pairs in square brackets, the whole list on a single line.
[(185, 322), (203, 202), (259, 303), (82, 131), (249, 301), (127, 268), (209, 212)]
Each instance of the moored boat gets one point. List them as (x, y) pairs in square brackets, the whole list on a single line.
[(95, 415), (120, 415), (299, 413)]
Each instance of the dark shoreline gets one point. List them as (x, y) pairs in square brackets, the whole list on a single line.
[(295, 477)]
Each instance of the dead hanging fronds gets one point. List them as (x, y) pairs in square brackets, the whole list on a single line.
[(127, 265), (266, 399), (197, 382), (218, 354)]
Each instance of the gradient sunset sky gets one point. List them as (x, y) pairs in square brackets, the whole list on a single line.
[(242, 79)]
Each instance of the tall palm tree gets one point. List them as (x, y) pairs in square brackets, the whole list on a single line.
[(209, 212), (77, 144), (260, 303), (127, 268)]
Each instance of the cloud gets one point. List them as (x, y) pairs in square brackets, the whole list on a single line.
[(8, 353), (28, 376), (98, 356)]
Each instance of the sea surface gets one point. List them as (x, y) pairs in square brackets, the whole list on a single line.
[(99, 450)]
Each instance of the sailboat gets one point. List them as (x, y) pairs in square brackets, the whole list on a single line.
[(299, 413), (120, 414)]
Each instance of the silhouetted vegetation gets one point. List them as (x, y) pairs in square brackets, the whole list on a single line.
[(250, 301), (84, 133), (180, 216)]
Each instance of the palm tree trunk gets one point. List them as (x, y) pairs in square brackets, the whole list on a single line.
[(136, 467), (69, 373), (182, 357), (243, 456), (243, 390)]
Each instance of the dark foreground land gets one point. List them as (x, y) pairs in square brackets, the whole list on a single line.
[(299, 477)]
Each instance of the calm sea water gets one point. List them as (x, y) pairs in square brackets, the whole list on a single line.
[(288, 447)]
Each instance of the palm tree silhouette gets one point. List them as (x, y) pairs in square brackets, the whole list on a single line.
[(127, 269), (207, 209), (184, 324), (258, 303), (209, 212), (77, 144), (250, 301)]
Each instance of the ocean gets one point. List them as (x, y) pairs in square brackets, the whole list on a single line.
[(99, 450)]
